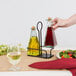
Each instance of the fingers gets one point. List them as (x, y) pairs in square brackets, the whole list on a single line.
[(55, 21), (55, 26)]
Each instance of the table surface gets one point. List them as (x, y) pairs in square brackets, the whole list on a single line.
[(25, 61)]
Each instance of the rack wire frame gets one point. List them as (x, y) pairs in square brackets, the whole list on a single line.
[(41, 54)]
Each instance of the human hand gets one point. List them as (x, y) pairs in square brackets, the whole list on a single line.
[(58, 22)]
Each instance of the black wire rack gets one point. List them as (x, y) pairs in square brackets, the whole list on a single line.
[(42, 52)]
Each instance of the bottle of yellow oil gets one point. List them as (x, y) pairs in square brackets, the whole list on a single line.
[(33, 46)]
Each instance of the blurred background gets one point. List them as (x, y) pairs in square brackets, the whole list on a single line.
[(18, 16)]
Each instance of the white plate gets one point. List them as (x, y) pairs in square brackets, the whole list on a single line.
[(57, 55)]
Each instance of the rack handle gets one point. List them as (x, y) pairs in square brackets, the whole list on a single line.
[(38, 26)]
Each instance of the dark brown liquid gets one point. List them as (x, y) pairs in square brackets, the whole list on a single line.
[(50, 37)]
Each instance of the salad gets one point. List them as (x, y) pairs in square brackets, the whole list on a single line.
[(3, 49), (68, 54)]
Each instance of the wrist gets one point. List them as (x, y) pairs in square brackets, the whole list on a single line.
[(68, 22)]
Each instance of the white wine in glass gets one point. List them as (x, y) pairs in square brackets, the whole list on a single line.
[(14, 57)]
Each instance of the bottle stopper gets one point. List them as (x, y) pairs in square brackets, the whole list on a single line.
[(33, 28), (49, 19)]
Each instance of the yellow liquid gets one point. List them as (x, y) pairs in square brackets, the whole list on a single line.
[(35, 45), (14, 57)]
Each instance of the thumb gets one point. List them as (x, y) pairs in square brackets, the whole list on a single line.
[(55, 20)]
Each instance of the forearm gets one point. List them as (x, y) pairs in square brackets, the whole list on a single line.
[(72, 20)]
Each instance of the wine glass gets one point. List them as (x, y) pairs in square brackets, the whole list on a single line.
[(14, 57)]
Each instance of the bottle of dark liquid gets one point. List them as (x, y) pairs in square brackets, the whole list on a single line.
[(50, 40)]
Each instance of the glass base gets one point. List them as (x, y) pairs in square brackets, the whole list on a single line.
[(14, 68)]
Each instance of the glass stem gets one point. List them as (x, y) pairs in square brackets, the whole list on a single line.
[(14, 66)]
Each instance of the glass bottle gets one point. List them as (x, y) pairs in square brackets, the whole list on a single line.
[(33, 46), (50, 40)]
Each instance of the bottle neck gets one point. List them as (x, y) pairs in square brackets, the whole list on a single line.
[(49, 23), (33, 33)]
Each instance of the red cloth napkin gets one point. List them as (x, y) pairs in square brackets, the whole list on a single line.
[(65, 63)]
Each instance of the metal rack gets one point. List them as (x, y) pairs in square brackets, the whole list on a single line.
[(41, 54)]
